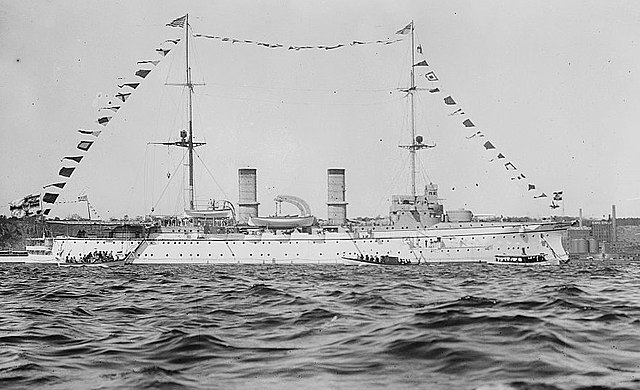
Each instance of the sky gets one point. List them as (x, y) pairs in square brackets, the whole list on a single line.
[(553, 85)]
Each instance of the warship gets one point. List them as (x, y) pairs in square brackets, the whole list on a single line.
[(418, 230)]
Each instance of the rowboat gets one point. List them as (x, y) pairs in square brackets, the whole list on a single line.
[(108, 264)]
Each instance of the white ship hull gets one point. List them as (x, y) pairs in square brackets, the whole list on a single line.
[(443, 243)]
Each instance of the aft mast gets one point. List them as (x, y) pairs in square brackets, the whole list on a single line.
[(416, 141), (415, 211), (412, 90)]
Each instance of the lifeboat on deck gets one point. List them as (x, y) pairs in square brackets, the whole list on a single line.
[(282, 222)]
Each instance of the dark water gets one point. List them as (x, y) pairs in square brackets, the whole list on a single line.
[(438, 327)]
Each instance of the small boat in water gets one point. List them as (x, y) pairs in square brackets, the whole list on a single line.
[(98, 259), (381, 260), (107, 264), (520, 259)]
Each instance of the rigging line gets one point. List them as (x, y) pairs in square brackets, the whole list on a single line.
[(210, 174), (395, 178), (170, 180), (307, 103), (145, 180), (425, 175)]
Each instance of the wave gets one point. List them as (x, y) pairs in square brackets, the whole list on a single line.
[(437, 326)]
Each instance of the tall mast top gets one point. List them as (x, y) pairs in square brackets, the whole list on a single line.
[(187, 136), (416, 141)]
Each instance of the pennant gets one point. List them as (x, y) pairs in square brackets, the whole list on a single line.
[(85, 145), (419, 50), (500, 156), (553, 205), (154, 62), (488, 145), (104, 120), (123, 96), (510, 166), (130, 85), (178, 22), (47, 211), (174, 41), (473, 135), (112, 108), (405, 30), (66, 172), (49, 197), (94, 133), (531, 187), (468, 123), (73, 158), (543, 195), (449, 101), (434, 90), (143, 72), (422, 63), (162, 51), (431, 76), (58, 185)]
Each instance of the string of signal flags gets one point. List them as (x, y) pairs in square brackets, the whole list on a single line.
[(126, 89), (427, 80), (50, 193), (425, 75)]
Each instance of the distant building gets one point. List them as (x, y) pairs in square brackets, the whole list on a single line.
[(602, 230), (576, 233)]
